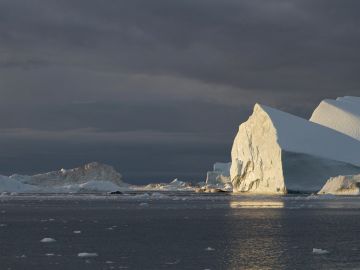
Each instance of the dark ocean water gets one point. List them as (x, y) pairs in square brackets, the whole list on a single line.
[(179, 231)]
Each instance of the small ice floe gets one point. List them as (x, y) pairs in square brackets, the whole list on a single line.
[(3, 225), (110, 228), (209, 249), (109, 262), (47, 220), (319, 251), (77, 232), (49, 254), (143, 204), (47, 240), (172, 263), (87, 255), (3, 211), (23, 256)]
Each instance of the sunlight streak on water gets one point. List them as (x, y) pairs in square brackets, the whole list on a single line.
[(256, 204)]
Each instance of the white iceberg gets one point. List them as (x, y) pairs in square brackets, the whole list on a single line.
[(219, 177), (92, 177), (342, 185), (93, 171), (275, 152), (342, 114), (175, 185), (47, 240), (320, 251), (12, 185)]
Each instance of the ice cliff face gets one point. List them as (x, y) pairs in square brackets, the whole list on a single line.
[(342, 114), (342, 185), (271, 146), (219, 177), (256, 156)]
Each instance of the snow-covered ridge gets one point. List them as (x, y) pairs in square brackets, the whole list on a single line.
[(342, 114), (272, 145)]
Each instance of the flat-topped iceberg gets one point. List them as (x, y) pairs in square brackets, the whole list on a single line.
[(342, 114), (275, 152), (342, 185)]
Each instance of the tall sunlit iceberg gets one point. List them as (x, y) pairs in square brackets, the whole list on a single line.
[(275, 152)]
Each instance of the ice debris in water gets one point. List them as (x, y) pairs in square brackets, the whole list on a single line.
[(209, 249), (77, 232), (47, 240), (319, 251), (87, 255)]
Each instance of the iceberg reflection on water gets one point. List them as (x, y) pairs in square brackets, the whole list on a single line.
[(256, 204)]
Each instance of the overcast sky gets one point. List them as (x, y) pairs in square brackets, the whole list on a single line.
[(157, 88)]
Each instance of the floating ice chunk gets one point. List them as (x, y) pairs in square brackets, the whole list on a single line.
[(320, 251), (47, 240), (172, 263), (77, 232), (87, 255), (342, 185), (49, 254), (144, 204), (209, 249)]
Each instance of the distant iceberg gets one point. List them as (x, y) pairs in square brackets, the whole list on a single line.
[(92, 177), (175, 185), (342, 114), (219, 177), (342, 185), (275, 152)]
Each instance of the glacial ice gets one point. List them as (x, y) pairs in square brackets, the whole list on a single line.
[(47, 240), (88, 178), (320, 251), (342, 114), (175, 185), (342, 185), (275, 152), (87, 255), (219, 177)]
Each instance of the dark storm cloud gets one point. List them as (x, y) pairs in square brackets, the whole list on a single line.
[(159, 71)]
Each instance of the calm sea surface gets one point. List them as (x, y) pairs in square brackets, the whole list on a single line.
[(178, 231)]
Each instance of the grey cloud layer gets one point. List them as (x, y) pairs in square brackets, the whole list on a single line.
[(171, 67)]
